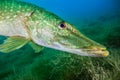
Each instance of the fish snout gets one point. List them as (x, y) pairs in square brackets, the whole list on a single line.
[(99, 51)]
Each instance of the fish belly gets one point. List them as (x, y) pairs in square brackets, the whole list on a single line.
[(13, 28)]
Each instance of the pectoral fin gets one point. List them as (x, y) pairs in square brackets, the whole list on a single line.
[(36, 47), (12, 43)]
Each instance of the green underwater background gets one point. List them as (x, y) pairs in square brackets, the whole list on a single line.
[(97, 19)]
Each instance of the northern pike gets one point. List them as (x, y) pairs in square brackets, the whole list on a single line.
[(24, 23)]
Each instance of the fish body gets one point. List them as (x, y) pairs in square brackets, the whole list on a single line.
[(27, 23)]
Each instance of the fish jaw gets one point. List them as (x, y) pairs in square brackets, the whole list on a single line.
[(93, 52)]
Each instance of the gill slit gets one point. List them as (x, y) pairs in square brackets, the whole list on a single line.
[(27, 15)]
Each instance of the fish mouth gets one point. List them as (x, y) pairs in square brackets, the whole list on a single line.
[(93, 51), (97, 52), (89, 52)]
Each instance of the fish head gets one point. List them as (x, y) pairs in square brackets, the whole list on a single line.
[(60, 35)]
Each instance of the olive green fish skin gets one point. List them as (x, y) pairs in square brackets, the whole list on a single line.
[(43, 28)]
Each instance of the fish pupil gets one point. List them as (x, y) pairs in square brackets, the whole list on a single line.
[(62, 25)]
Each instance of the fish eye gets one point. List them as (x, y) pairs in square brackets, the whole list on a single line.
[(62, 25)]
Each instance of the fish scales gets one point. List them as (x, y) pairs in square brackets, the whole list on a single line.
[(12, 15)]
